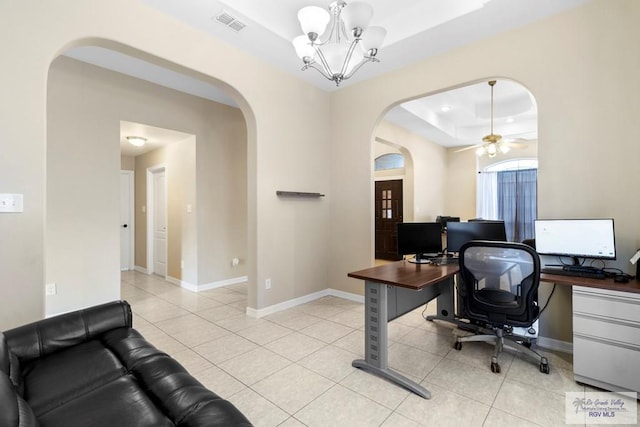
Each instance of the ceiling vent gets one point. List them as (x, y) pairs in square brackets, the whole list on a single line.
[(230, 21)]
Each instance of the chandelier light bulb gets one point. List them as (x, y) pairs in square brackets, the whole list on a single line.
[(304, 49), (356, 17), (372, 39), (313, 20)]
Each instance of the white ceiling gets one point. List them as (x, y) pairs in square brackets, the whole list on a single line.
[(416, 29)]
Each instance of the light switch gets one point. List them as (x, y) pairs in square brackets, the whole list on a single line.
[(11, 202)]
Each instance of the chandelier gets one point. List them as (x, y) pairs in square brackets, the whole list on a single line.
[(339, 41)]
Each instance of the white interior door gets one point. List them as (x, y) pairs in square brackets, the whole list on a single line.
[(126, 220), (159, 223)]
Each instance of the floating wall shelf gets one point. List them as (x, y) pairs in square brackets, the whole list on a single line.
[(297, 194)]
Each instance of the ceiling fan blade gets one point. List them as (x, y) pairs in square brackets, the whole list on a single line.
[(471, 147)]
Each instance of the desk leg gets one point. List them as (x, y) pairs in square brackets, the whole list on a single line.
[(376, 359)]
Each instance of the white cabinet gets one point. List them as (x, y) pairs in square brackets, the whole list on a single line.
[(606, 338)]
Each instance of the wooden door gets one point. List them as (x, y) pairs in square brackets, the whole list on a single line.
[(388, 213)]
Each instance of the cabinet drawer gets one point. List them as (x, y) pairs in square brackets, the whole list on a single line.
[(605, 362), (609, 304), (607, 329)]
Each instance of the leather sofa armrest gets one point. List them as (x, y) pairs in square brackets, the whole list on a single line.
[(14, 411), (47, 336)]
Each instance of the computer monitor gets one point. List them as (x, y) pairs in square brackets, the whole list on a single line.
[(424, 239), (444, 220), (459, 233), (576, 238)]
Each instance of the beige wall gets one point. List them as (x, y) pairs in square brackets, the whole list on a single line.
[(581, 66), (178, 160), (127, 163), (287, 242), (220, 133)]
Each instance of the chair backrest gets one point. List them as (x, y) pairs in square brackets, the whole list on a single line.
[(499, 282)]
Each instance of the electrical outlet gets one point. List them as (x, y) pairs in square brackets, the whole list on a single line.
[(50, 289), (267, 284)]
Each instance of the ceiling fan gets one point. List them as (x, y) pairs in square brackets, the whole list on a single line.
[(493, 143)]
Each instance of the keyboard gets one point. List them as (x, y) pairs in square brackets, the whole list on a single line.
[(444, 260), (589, 273)]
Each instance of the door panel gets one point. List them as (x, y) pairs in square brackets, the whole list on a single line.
[(126, 194), (159, 224), (388, 213)]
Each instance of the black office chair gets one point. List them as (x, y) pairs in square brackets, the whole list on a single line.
[(498, 285)]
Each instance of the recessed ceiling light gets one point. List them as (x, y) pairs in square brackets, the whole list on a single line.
[(445, 108), (510, 120), (138, 141)]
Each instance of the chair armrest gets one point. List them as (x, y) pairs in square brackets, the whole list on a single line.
[(47, 336)]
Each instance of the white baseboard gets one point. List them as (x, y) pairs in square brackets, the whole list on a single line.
[(556, 345), (302, 300), (140, 269), (199, 288), (346, 295), (221, 283)]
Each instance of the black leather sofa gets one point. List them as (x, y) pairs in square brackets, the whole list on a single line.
[(91, 368)]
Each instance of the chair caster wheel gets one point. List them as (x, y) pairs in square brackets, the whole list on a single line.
[(527, 344), (458, 345), (495, 367), (544, 368)]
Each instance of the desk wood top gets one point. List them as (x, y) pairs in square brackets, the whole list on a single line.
[(417, 276), (632, 286), (406, 274)]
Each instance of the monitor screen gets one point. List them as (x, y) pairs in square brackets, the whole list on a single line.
[(420, 238), (578, 238), (459, 233)]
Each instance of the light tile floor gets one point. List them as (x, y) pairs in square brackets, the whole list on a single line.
[(293, 368)]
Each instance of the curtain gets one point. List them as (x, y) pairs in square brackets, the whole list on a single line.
[(487, 196), (510, 196), (517, 202)]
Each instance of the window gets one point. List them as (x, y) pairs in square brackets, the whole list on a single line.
[(508, 191), (387, 210), (389, 161)]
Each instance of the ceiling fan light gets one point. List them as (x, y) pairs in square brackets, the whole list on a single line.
[(357, 15), (504, 148), (492, 150), (480, 151), (313, 20)]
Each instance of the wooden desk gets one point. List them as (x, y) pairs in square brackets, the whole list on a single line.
[(632, 286), (432, 281)]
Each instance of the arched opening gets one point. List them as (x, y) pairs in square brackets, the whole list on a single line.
[(443, 131), (91, 108)]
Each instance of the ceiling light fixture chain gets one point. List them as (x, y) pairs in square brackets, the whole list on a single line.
[(349, 44)]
